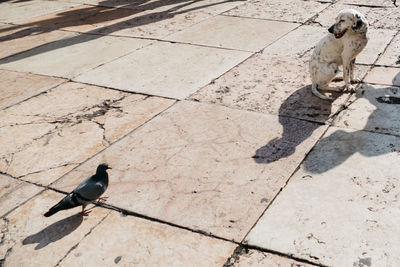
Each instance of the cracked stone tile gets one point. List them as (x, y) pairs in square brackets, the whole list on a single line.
[(173, 73), (371, 3), (234, 33), (82, 18), (342, 201), (375, 108), (11, 37), (327, 16), (203, 166), (132, 241), (73, 55), (378, 41), (391, 55), (30, 239), (384, 75), (274, 85), (42, 141), (15, 11), (284, 10), (258, 258), (157, 25), (16, 86), (208, 6), (284, 46), (14, 192)]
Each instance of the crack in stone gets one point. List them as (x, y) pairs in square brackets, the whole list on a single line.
[(77, 244), (4, 231)]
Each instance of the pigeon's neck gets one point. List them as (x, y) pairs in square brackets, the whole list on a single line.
[(101, 175)]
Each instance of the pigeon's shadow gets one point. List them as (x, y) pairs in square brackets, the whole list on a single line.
[(54, 232)]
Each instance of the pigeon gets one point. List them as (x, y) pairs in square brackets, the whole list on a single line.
[(87, 192)]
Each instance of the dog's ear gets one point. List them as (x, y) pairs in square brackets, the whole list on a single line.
[(359, 24)]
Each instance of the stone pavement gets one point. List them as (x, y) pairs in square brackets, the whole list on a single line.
[(221, 155)]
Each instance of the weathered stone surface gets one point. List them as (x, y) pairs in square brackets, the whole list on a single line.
[(391, 55), (234, 33), (383, 75), (284, 10), (16, 86), (327, 17), (14, 192), (30, 239), (208, 6), (129, 241), (272, 84), (15, 39), (203, 166), (15, 11), (177, 71), (81, 18), (72, 56), (342, 201), (375, 108), (257, 258), (45, 139), (370, 3), (378, 41)]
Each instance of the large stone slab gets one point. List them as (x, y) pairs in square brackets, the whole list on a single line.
[(375, 108), (391, 55), (378, 41), (15, 39), (16, 86), (14, 192), (327, 17), (129, 241), (370, 3), (81, 18), (208, 6), (206, 167), (283, 10), (73, 55), (275, 85), (234, 33), (156, 25), (342, 201), (29, 239), (254, 258), (384, 75), (42, 141), (15, 11), (177, 71)]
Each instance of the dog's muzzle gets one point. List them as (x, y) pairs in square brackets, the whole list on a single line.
[(337, 35)]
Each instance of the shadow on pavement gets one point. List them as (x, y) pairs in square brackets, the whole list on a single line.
[(95, 15), (54, 232), (333, 150), (301, 104)]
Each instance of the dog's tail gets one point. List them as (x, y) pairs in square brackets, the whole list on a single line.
[(314, 90)]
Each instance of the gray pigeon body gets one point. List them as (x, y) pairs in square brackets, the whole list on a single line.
[(87, 192)]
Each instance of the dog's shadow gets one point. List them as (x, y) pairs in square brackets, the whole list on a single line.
[(54, 232), (300, 104)]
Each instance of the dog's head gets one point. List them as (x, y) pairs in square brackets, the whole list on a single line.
[(349, 20)]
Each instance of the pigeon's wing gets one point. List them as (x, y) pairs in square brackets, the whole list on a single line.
[(89, 189)]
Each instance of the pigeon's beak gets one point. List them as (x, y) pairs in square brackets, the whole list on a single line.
[(109, 168)]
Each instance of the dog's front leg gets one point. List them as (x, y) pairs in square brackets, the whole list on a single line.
[(352, 78), (347, 74)]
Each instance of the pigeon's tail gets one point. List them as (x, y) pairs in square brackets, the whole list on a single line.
[(66, 203)]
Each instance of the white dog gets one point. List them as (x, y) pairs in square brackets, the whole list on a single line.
[(345, 40)]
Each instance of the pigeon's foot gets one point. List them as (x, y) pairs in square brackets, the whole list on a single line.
[(104, 199), (85, 212)]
